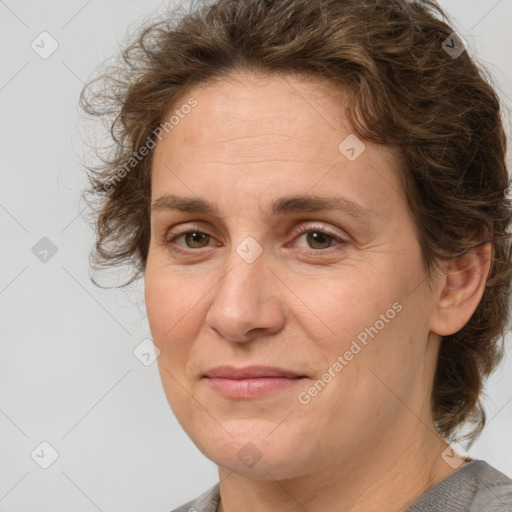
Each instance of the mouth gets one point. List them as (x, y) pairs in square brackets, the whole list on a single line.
[(251, 381)]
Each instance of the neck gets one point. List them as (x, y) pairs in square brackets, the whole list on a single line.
[(387, 477)]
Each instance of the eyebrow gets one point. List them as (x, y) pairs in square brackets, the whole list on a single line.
[(280, 207)]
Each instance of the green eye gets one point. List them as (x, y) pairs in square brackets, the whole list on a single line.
[(196, 237)]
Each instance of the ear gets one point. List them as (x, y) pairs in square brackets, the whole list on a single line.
[(462, 286)]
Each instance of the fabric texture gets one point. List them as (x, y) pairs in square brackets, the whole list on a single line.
[(474, 487)]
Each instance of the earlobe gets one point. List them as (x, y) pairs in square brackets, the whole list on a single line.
[(462, 287)]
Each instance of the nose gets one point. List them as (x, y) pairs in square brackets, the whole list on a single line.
[(247, 302)]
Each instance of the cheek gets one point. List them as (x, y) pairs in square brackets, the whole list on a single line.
[(340, 307), (368, 317), (174, 324), (170, 306)]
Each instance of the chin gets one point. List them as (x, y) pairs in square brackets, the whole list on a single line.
[(253, 448)]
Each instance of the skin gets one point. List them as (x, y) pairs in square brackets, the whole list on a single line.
[(366, 441)]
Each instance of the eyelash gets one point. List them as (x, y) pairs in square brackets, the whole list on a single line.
[(169, 242)]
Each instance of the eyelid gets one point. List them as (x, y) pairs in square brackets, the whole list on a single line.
[(183, 228), (304, 228)]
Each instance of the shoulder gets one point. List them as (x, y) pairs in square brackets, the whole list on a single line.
[(475, 487), (494, 489), (206, 502)]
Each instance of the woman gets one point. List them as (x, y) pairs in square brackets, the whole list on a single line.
[(315, 195)]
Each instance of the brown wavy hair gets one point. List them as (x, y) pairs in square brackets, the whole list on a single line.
[(441, 111)]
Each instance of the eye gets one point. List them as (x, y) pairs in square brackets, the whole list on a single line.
[(318, 239), (193, 240), (196, 239)]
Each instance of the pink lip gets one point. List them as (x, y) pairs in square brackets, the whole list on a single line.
[(250, 381), (250, 372)]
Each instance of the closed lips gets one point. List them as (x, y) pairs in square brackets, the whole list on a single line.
[(251, 372)]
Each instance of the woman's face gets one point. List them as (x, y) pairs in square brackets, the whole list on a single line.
[(332, 298)]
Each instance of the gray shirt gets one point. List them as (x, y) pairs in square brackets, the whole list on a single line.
[(474, 487)]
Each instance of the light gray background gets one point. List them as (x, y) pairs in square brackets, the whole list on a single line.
[(68, 375)]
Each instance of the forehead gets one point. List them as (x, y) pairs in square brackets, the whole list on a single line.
[(247, 131), (246, 110)]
